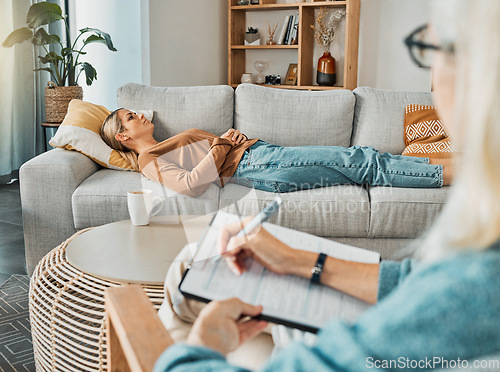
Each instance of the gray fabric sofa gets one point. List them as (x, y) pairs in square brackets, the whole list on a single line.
[(64, 191)]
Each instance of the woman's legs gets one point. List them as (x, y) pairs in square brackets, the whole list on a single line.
[(448, 168), (284, 169)]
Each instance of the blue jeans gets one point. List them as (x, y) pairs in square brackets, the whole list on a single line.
[(283, 169)]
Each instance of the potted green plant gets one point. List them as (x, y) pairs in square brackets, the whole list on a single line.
[(252, 36), (63, 61)]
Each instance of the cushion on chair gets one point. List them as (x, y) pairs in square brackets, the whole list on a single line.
[(337, 211), (177, 109), (80, 131), (379, 117), (294, 118), (425, 135), (403, 212), (102, 198)]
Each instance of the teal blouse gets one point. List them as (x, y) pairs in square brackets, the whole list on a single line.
[(428, 315)]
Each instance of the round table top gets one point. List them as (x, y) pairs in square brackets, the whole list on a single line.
[(122, 252)]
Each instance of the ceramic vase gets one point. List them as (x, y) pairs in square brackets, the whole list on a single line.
[(247, 78), (326, 75)]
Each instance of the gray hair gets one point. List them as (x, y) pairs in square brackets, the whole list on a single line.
[(471, 218)]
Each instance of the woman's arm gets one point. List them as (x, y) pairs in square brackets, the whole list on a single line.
[(191, 183), (443, 312), (356, 279)]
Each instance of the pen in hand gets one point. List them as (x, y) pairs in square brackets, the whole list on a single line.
[(260, 218)]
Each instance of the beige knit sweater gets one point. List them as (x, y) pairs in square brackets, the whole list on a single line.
[(190, 161)]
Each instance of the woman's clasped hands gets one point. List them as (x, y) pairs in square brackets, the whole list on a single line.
[(234, 135)]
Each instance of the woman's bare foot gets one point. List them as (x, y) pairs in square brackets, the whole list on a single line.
[(448, 169)]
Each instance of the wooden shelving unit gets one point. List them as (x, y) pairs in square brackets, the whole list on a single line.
[(305, 79), (234, 47)]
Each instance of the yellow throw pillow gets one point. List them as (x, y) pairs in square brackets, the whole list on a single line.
[(425, 135), (80, 131)]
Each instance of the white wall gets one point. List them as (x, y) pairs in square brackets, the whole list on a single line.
[(123, 20), (188, 42), (384, 61)]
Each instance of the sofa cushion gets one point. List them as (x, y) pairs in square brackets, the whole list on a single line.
[(425, 135), (102, 198), (403, 212), (379, 117), (294, 118), (81, 131), (180, 108), (337, 211)]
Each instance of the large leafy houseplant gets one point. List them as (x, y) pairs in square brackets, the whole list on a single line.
[(63, 61)]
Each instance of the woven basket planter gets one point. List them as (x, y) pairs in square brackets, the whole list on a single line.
[(57, 100)]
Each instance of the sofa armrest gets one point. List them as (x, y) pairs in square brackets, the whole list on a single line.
[(47, 183)]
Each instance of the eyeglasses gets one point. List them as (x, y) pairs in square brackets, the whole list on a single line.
[(420, 48)]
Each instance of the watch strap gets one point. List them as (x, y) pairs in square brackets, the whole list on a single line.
[(317, 270)]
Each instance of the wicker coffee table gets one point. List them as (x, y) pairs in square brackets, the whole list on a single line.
[(67, 287)]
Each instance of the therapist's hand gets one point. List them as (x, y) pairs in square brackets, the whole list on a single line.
[(219, 326), (260, 245)]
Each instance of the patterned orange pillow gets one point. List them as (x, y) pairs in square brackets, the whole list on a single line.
[(425, 135)]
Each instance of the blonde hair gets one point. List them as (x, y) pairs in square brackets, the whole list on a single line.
[(471, 218), (111, 126)]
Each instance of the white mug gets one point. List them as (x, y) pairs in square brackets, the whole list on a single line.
[(141, 204)]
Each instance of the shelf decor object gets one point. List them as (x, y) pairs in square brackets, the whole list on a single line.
[(260, 66), (239, 52), (324, 33), (247, 78), (271, 31), (252, 36), (326, 74), (291, 75)]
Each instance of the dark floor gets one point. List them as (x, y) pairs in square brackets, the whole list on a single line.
[(11, 232)]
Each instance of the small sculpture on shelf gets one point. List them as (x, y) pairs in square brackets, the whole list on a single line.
[(325, 34), (247, 78), (273, 79), (252, 36), (271, 32), (261, 67)]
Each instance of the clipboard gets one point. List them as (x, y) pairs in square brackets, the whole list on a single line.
[(286, 299), (263, 316)]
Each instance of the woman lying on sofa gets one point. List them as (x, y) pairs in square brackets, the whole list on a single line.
[(443, 308), (190, 161)]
